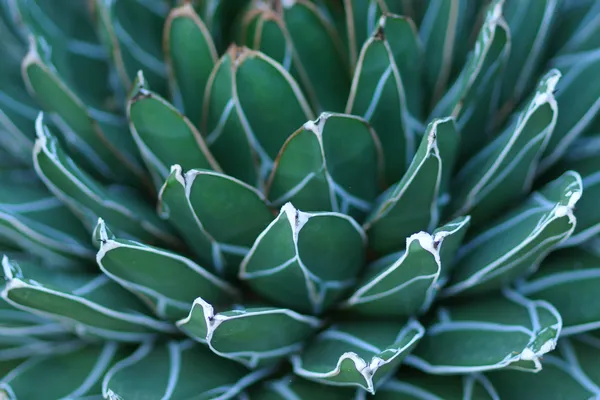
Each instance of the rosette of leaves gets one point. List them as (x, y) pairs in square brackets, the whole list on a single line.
[(277, 199)]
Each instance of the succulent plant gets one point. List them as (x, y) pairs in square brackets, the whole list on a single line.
[(300, 199)]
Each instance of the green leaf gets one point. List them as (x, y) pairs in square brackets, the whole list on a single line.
[(503, 171), (578, 92), (122, 208), (132, 32), (95, 138), (253, 336), (445, 32), (88, 304), (531, 23), (361, 19), (407, 284), (163, 135), (501, 331), (472, 99), (242, 128), (34, 220), (190, 56), (568, 279), (515, 244), (582, 157), (413, 203), (73, 370), (178, 370), (305, 261), (379, 90), (221, 17), (358, 354), (331, 164), (291, 385), (570, 372), (218, 215), (166, 281), (414, 384), (292, 33)]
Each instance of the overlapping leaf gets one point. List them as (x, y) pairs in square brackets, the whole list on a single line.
[(163, 135), (407, 284), (382, 90), (507, 331), (568, 279), (413, 204), (358, 354), (128, 214), (283, 388), (331, 164), (218, 216), (90, 305), (178, 371), (252, 104), (503, 171), (472, 99), (253, 336), (514, 245), (572, 371), (167, 281), (305, 261)]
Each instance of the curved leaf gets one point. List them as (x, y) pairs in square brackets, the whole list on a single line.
[(357, 354), (253, 336), (167, 281), (305, 261), (179, 370), (291, 385), (219, 216), (331, 164), (515, 244), (163, 135), (129, 215), (413, 204), (502, 331), (90, 305)]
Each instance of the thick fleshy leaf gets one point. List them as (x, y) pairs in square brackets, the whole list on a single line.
[(178, 370), (34, 220), (578, 92), (413, 204), (219, 216), (190, 56), (305, 261), (380, 90), (220, 17), (500, 331), (252, 105), (569, 279), (90, 305), (253, 336), (331, 164), (73, 370), (570, 372), (358, 354), (291, 385), (583, 158), (163, 135), (132, 32), (97, 139), (472, 99), (503, 171), (406, 284), (166, 281), (531, 23), (361, 20), (445, 32), (122, 208), (515, 244), (292, 33), (413, 384)]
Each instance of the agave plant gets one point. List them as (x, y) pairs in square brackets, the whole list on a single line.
[(300, 199)]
